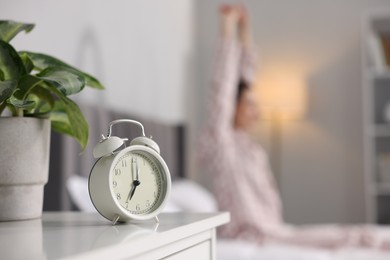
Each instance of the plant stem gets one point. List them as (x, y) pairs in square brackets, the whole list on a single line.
[(19, 112), (2, 107)]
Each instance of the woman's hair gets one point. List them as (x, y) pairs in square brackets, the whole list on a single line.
[(242, 86)]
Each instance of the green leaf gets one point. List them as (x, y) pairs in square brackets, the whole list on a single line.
[(44, 99), (67, 118), (65, 80), (22, 104), (19, 98), (11, 64), (9, 29), (43, 61), (28, 64), (42, 86), (26, 84), (59, 119), (6, 89)]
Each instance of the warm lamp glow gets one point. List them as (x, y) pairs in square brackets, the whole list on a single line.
[(281, 95)]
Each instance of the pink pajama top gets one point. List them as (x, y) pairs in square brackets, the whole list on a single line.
[(242, 179)]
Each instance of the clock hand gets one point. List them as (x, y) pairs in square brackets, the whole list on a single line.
[(132, 168), (136, 169), (136, 182), (131, 192)]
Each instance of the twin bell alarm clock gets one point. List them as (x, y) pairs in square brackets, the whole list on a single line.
[(128, 182)]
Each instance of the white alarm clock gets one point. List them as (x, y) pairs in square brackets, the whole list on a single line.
[(128, 182)]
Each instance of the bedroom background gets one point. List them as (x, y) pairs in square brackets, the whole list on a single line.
[(155, 57)]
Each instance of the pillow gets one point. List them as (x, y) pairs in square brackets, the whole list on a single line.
[(77, 187), (192, 197), (171, 206), (185, 195)]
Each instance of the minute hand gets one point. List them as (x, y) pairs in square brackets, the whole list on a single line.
[(136, 170), (136, 182)]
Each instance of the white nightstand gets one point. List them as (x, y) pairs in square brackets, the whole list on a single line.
[(75, 235)]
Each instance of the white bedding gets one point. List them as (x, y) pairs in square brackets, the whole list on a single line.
[(233, 250), (189, 196)]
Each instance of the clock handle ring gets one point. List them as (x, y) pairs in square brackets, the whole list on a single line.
[(124, 121)]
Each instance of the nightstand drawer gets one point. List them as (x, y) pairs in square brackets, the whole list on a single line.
[(199, 251)]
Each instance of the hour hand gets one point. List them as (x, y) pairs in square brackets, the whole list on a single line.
[(131, 193), (135, 184)]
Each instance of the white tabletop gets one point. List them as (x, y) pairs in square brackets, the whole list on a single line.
[(71, 234)]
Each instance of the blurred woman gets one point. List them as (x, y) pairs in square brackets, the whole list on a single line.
[(242, 179)]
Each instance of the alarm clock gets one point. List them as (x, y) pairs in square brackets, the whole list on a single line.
[(129, 182)]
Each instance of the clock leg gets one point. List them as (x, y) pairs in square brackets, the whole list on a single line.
[(115, 219), (156, 219)]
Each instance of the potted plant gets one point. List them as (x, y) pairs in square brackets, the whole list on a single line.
[(34, 90)]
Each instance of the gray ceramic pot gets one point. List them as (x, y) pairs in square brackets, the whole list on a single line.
[(24, 166)]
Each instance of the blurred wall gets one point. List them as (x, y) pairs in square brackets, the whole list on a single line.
[(320, 43), (141, 50)]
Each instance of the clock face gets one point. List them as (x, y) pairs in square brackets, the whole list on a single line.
[(137, 183)]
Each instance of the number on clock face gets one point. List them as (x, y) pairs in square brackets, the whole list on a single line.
[(138, 185)]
